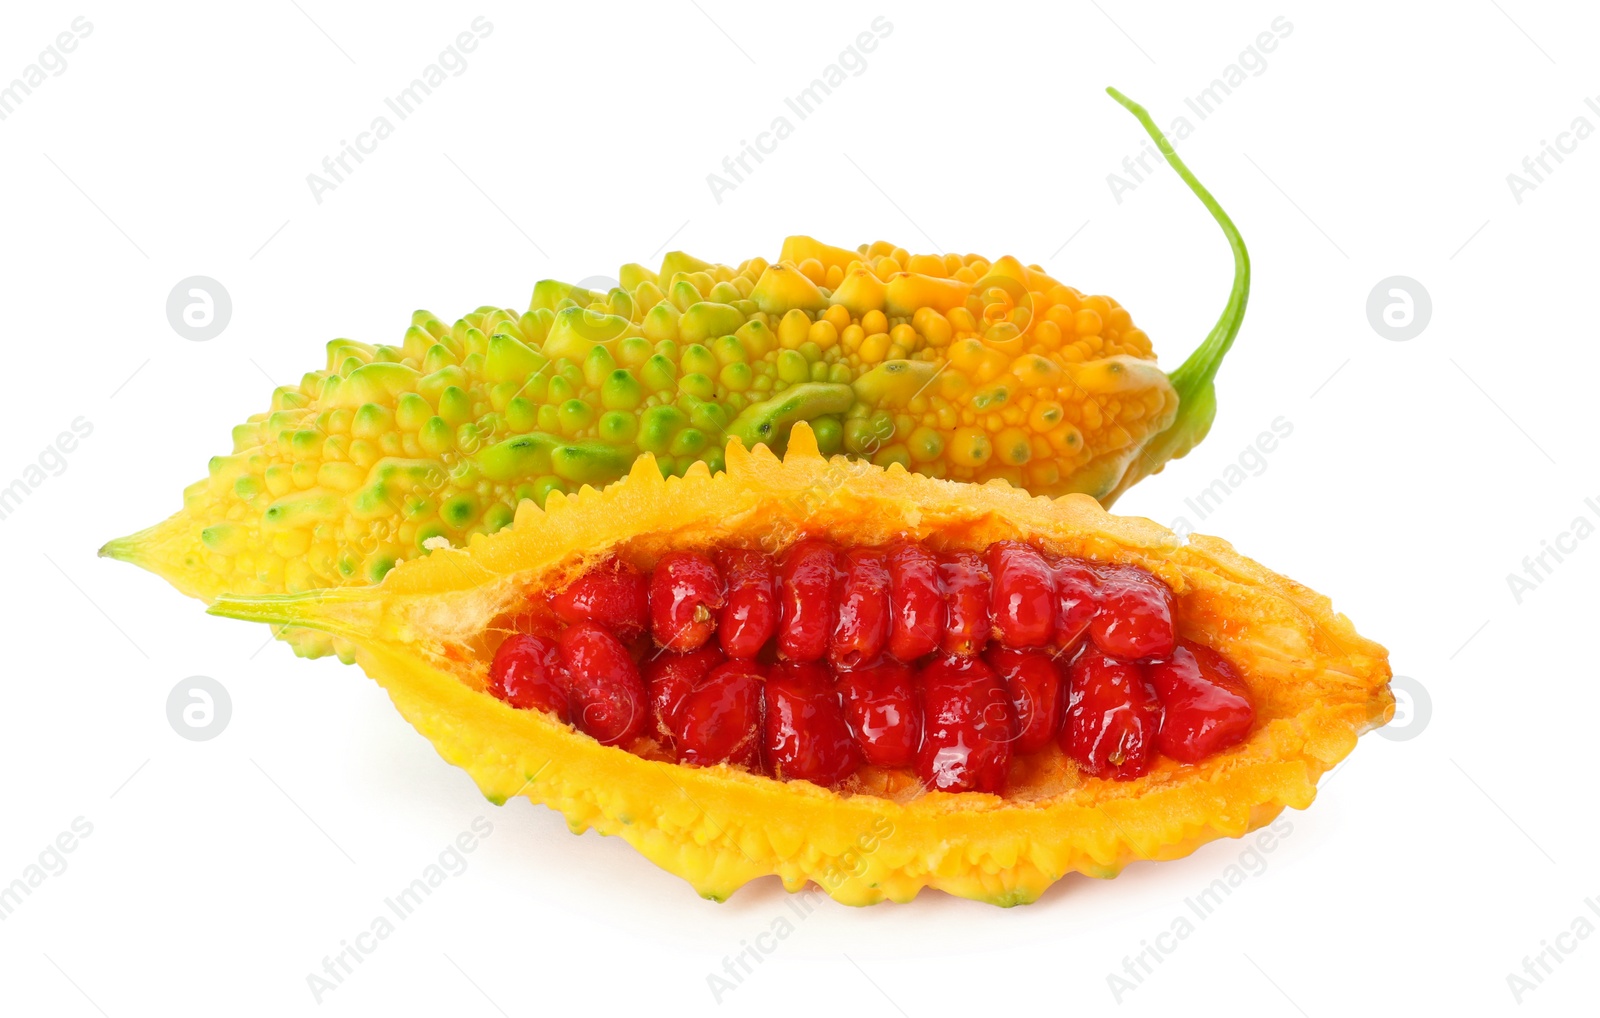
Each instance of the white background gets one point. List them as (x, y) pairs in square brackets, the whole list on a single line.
[(1419, 474)]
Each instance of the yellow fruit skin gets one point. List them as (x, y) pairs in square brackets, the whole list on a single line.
[(1316, 684)]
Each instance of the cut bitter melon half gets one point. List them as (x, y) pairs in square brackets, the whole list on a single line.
[(430, 631)]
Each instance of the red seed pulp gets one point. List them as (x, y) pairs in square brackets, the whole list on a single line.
[(1205, 708), (1024, 595), (806, 734), (862, 627), (805, 588), (613, 594), (949, 666), (685, 596), (1112, 716), (1135, 614), (606, 693), (884, 711), (916, 602), (966, 602), (1034, 680), (1077, 600), (750, 616), (720, 720), (966, 742), (527, 673), (669, 678)]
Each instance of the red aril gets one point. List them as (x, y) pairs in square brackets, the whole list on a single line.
[(884, 712), (750, 614), (1112, 716), (848, 627), (720, 721), (1077, 599), (685, 596), (1033, 678), (916, 601), (526, 673), (862, 627), (1023, 597), (607, 695), (612, 594), (1205, 709), (669, 678), (1217, 668), (967, 727), (1135, 614), (805, 593), (966, 602), (806, 734)]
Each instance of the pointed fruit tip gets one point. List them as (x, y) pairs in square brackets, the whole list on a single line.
[(122, 549)]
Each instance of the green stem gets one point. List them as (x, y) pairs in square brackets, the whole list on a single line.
[(1193, 378)]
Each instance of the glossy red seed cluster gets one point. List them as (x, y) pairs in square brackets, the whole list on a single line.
[(823, 660)]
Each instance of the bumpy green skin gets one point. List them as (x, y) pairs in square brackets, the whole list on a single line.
[(389, 451)]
